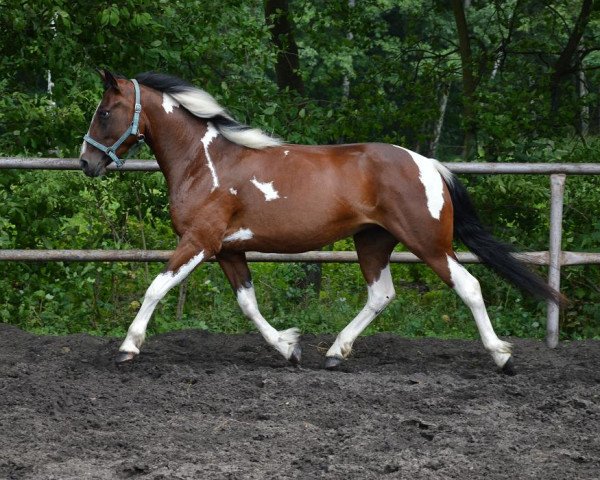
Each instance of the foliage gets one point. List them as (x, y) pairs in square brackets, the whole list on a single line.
[(375, 71)]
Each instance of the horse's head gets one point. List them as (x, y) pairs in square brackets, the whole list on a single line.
[(115, 127)]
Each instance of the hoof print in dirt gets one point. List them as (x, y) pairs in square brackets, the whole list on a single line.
[(509, 367), (124, 358), (296, 355), (331, 363)]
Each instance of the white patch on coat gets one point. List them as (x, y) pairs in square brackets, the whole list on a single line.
[(267, 189), (169, 103), (286, 152), (380, 293), (468, 289), (431, 178), (233, 191), (156, 291), (209, 136), (284, 341), (240, 235)]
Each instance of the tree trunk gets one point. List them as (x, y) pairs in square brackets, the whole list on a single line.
[(468, 78), (584, 112), (437, 129), (565, 65), (287, 72), (346, 81), (278, 19)]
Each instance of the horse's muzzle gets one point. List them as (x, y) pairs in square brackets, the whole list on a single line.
[(85, 166), (88, 169)]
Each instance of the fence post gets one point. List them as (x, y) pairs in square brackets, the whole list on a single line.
[(557, 189)]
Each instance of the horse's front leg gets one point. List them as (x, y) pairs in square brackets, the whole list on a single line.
[(188, 255), (236, 270)]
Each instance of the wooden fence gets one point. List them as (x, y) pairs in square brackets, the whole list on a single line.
[(555, 258)]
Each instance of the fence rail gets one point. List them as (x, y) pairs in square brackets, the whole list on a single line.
[(534, 258), (555, 258), (26, 163)]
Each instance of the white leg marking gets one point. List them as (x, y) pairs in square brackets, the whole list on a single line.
[(432, 181), (381, 293), (284, 341), (209, 136), (241, 234), (169, 103), (156, 291), (468, 289), (267, 189)]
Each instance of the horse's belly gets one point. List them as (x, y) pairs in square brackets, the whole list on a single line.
[(286, 239)]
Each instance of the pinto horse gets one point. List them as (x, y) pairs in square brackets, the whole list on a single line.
[(233, 189)]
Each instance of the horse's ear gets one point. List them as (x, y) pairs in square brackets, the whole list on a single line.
[(108, 79)]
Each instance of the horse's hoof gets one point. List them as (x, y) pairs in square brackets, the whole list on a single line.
[(124, 357), (509, 367), (296, 355), (331, 363)]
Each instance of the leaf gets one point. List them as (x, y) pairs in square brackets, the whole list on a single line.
[(105, 17), (114, 16)]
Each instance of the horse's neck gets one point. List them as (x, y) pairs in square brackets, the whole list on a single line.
[(176, 140)]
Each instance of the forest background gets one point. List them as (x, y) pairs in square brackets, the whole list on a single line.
[(494, 81)]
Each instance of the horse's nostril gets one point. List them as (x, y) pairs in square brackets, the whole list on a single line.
[(83, 163)]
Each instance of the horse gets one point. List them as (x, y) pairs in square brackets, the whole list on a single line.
[(233, 189)]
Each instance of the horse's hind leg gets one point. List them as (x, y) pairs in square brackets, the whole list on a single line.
[(468, 289), (237, 272), (374, 247), (443, 262)]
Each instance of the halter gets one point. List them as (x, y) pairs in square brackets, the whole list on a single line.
[(132, 130)]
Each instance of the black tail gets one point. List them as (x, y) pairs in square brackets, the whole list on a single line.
[(492, 252)]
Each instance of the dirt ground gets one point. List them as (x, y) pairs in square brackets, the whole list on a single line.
[(201, 406)]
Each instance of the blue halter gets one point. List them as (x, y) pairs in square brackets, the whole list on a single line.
[(132, 130)]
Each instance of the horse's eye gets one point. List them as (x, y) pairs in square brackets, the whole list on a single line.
[(103, 114)]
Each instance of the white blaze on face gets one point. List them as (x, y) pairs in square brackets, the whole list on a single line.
[(267, 189), (169, 103), (432, 181), (209, 136), (84, 144), (233, 191), (241, 234)]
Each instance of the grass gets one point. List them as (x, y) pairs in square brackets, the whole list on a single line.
[(424, 306)]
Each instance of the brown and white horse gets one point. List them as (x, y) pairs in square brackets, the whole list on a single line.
[(234, 189)]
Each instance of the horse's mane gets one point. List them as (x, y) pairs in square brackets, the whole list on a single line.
[(203, 105)]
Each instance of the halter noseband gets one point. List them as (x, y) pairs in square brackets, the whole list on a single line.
[(132, 130)]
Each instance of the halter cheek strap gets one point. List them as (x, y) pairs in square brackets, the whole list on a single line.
[(132, 130)]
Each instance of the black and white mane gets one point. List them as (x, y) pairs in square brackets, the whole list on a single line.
[(203, 105)]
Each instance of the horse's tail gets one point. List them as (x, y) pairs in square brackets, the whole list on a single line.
[(492, 252)]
